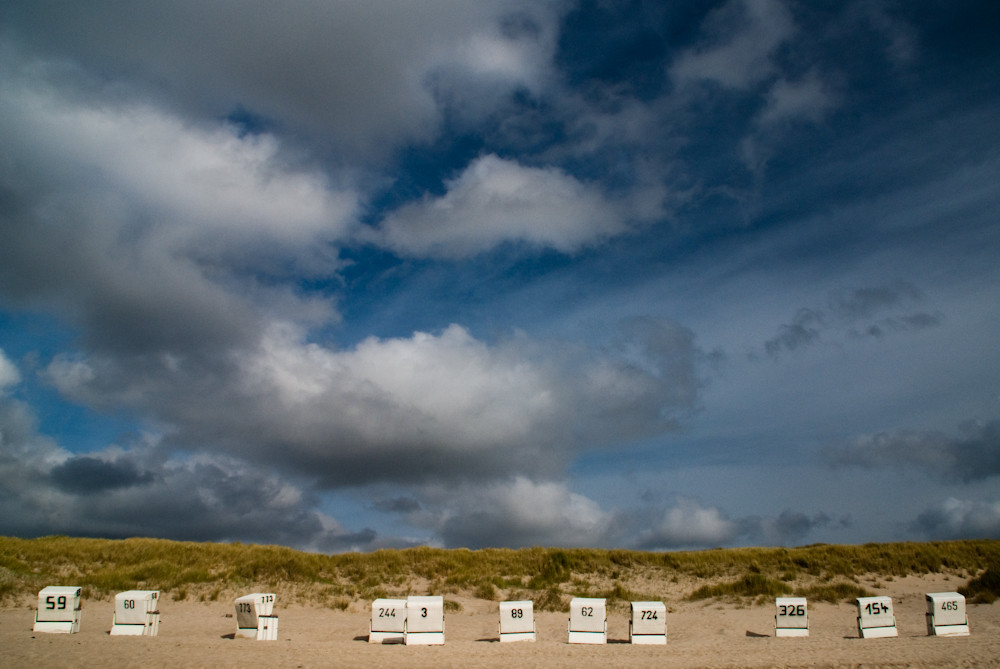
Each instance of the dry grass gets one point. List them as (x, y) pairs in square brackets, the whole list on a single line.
[(985, 588), (206, 571)]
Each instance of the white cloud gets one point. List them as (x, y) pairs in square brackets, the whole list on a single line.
[(690, 524), (517, 56), (69, 374), (495, 201), (808, 98), (518, 401), (449, 389), (429, 407), (522, 512), (902, 43), (357, 74), (168, 235), (742, 36), (9, 375), (200, 191)]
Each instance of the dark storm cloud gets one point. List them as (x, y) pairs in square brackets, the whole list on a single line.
[(872, 311), (972, 455), (668, 348), (139, 491), (866, 310), (802, 331), (116, 495), (482, 529), (789, 527), (864, 303), (350, 75), (959, 519), (397, 505), (86, 475)]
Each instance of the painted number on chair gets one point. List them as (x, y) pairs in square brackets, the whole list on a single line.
[(876, 608), (587, 611), (793, 609), (386, 613), (52, 603), (648, 615), (517, 613)]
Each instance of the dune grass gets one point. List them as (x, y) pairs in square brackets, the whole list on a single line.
[(210, 571), (985, 588), (751, 585)]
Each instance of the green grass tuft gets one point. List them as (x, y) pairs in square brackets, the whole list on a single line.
[(751, 585), (985, 588), (834, 592)]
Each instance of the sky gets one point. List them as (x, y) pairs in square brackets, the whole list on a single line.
[(358, 275)]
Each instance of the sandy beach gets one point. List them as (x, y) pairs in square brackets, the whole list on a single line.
[(200, 634)]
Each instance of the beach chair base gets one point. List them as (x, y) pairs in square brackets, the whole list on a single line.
[(424, 639), (594, 638)]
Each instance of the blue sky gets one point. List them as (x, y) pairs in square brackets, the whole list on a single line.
[(352, 275)]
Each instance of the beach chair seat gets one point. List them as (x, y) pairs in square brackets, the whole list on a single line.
[(136, 613), (424, 622), (588, 620), (517, 621), (648, 624)]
